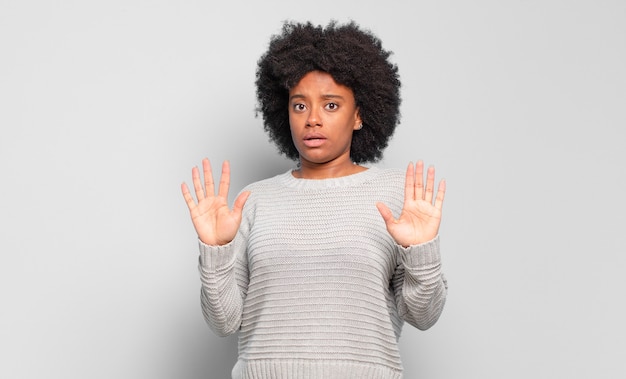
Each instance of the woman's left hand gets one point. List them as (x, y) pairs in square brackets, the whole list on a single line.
[(420, 218)]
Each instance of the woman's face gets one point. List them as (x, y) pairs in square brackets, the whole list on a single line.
[(322, 117)]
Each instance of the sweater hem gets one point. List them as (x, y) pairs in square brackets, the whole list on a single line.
[(312, 369)]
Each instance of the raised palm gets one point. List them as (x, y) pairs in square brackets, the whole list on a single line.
[(214, 222), (420, 217)]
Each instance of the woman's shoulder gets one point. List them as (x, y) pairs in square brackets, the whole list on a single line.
[(268, 183), (388, 177)]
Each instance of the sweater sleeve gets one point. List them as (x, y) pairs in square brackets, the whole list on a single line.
[(224, 277), (419, 285)]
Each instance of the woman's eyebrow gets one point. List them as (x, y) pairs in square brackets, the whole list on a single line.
[(331, 96), (296, 96), (325, 96)]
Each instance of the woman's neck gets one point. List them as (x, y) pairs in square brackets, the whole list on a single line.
[(326, 170)]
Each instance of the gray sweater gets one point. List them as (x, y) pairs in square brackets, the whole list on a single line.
[(314, 283)]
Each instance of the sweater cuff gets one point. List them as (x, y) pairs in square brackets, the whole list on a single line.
[(214, 258), (424, 254)]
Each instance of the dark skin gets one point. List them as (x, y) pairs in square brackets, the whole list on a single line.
[(322, 116)]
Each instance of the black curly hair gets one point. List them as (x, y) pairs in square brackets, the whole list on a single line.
[(353, 57)]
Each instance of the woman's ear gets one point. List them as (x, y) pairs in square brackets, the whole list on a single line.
[(358, 123)]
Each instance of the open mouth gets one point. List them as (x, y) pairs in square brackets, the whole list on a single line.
[(313, 140)]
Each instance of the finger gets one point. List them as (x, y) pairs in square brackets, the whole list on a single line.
[(419, 180), (224, 180), (430, 184), (441, 192), (385, 212), (197, 186), (187, 195), (409, 183), (240, 201), (209, 185)]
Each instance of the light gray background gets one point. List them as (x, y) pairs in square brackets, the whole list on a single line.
[(105, 107)]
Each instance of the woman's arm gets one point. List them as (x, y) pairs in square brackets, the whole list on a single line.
[(222, 265), (224, 277), (419, 285)]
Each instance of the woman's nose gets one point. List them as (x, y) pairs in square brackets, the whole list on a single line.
[(313, 118)]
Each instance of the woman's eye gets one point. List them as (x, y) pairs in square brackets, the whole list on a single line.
[(299, 107), (332, 106)]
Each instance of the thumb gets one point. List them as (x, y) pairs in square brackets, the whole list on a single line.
[(240, 201), (385, 212)]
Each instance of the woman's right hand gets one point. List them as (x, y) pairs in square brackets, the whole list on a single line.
[(214, 222)]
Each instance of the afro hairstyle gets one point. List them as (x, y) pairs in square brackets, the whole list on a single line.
[(353, 57)]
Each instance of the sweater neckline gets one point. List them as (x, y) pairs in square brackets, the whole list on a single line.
[(287, 179)]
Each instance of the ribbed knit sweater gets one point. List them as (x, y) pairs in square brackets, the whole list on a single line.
[(314, 283)]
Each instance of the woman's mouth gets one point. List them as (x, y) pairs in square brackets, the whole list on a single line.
[(313, 140)]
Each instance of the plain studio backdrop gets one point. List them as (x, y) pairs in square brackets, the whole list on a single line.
[(106, 105)]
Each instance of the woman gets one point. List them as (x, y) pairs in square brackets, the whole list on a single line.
[(318, 268)]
